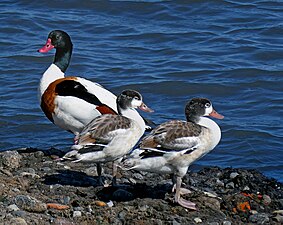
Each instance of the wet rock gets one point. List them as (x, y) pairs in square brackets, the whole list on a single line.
[(227, 223), (259, 218), (10, 160), (30, 204)]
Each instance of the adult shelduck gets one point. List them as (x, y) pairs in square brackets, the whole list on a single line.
[(72, 102), (174, 145), (108, 137)]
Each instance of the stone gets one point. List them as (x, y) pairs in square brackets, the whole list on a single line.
[(266, 199), (198, 220), (30, 204), (233, 175), (259, 218), (138, 176), (230, 185), (10, 160), (77, 214), (12, 208), (17, 221)]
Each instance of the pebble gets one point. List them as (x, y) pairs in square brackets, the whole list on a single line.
[(122, 215), (110, 204), (6, 172), (132, 180), (279, 216), (11, 159), (138, 176), (219, 183), (19, 213), (46, 169), (17, 221), (246, 188), (227, 223), (233, 175), (30, 204), (143, 208), (230, 185), (175, 223), (77, 214), (91, 171), (259, 218), (198, 220), (13, 207), (266, 199)]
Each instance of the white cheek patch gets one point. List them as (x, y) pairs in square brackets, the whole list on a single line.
[(208, 110), (136, 103)]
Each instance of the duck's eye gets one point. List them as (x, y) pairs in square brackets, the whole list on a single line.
[(136, 98), (207, 105)]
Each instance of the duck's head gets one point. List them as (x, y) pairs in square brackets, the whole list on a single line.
[(198, 107), (131, 99), (57, 39)]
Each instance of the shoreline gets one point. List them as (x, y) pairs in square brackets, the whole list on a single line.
[(37, 188)]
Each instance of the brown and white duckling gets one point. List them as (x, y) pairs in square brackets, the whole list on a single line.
[(108, 137), (173, 146)]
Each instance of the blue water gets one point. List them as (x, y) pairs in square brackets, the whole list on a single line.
[(228, 51)]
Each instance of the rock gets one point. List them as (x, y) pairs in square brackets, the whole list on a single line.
[(278, 218), (174, 222), (62, 221), (77, 214), (122, 215), (266, 199), (143, 208), (230, 185), (19, 213), (17, 221), (10, 160), (12, 208), (198, 220), (30, 204), (259, 218), (227, 223), (138, 176), (233, 175)]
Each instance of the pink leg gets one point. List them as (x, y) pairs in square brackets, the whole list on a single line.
[(181, 201)]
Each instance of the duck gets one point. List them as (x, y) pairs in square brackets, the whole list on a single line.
[(72, 102), (172, 146), (108, 137)]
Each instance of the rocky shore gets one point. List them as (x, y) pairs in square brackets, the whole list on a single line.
[(37, 188)]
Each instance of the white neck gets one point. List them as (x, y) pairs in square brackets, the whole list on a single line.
[(214, 129), (51, 74), (134, 115)]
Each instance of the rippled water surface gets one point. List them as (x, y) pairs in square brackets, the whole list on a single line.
[(171, 51)]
